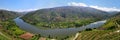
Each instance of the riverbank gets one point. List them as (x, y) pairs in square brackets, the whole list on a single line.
[(55, 33)]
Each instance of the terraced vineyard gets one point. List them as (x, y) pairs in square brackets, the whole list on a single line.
[(3, 38), (109, 31), (92, 35), (111, 36), (99, 35)]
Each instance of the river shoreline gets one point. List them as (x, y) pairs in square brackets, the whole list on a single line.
[(55, 32)]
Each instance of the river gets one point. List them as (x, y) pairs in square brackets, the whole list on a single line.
[(55, 32)]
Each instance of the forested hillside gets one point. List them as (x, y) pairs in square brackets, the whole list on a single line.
[(64, 17)]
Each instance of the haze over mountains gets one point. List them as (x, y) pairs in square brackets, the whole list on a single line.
[(65, 15), (71, 10)]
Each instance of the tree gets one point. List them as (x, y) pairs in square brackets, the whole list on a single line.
[(88, 29)]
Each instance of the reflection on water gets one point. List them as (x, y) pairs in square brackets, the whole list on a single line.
[(55, 32)]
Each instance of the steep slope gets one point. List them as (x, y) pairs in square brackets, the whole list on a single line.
[(6, 15), (109, 31), (8, 29), (113, 22), (67, 15)]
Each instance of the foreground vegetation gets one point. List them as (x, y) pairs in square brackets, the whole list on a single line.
[(3, 37), (11, 29), (99, 35)]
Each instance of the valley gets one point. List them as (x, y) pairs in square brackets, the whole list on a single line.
[(60, 23)]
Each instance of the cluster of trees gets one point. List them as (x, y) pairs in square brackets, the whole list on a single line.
[(11, 29), (62, 24)]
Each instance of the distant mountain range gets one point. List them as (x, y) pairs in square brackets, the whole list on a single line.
[(65, 14)]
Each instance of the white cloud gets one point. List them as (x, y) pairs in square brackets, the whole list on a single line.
[(105, 8), (77, 4), (92, 6), (27, 10)]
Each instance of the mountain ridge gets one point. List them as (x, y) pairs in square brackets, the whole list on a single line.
[(67, 14)]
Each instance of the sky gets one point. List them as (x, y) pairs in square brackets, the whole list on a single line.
[(30, 5)]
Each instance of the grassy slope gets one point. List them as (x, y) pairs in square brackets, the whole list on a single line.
[(8, 26), (108, 31), (99, 35), (11, 29), (3, 38)]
